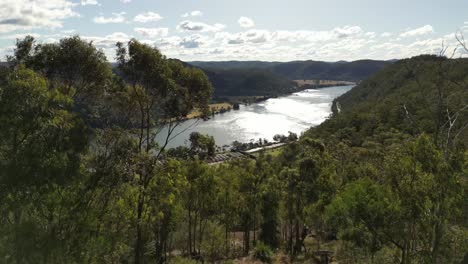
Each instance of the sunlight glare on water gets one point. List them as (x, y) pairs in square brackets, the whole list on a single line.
[(295, 113)]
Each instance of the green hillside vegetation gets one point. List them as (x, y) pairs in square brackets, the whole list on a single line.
[(249, 82), (383, 180), (304, 70), (341, 71), (257, 78), (229, 65), (241, 81), (413, 96)]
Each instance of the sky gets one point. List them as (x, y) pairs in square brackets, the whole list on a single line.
[(267, 30)]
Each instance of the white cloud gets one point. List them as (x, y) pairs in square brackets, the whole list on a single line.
[(115, 18), (192, 42), (89, 2), (169, 42), (125, 1), (418, 31), (20, 36), (386, 34), (152, 32), (194, 13), (107, 43), (68, 31), (26, 14), (465, 26), (246, 22), (198, 26), (148, 17), (370, 35), (108, 40), (251, 36), (346, 31)]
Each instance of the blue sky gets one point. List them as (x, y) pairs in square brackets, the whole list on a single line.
[(245, 29)]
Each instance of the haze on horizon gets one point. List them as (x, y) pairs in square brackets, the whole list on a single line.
[(245, 30)]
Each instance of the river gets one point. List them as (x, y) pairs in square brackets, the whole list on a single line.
[(296, 113)]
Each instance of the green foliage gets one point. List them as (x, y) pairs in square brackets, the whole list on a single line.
[(386, 176), (295, 70), (263, 253), (28, 111), (253, 82), (202, 145)]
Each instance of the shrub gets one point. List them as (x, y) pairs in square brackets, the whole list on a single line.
[(263, 253)]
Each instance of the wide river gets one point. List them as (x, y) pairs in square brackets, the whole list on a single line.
[(296, 113)]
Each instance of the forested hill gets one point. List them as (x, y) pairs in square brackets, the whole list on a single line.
[(341, 71), (397, 143), (296, 70), (233, 81), (228, 65), (384, 180), (248, 82), (416, 95), (258, 78)]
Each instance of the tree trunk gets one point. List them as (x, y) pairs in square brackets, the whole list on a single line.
[(246, 240), (190, 230)]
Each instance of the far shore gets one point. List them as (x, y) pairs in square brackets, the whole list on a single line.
[(228, 103)]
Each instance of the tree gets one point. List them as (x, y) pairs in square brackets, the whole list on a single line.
[(160, 93), (74, 66), (202, 145), (407, 210), (41, 142), (269, 212)]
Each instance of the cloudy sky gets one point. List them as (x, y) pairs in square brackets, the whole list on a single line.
[(270, 30)]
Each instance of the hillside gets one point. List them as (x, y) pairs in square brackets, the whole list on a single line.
[(227, 65), (383, 180), (404, 96), (248, 82), (259, 78), (341, 71), (240, 81), (295, 70)]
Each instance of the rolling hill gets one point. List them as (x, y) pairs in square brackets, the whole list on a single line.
[(299, 70)]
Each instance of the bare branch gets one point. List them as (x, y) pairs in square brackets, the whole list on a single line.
[(461, 40), (408, 115)]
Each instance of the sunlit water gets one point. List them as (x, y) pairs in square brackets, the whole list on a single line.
[(295, 113)]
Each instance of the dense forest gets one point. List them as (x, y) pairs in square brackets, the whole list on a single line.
[(238, 78), (82, 179), (241, 81), (309, 70), (249, 82)]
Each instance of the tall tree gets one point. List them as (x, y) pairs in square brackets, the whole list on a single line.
[(41, 142), (161, 93)]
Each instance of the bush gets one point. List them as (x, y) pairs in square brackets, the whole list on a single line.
[(213, 246), (263, 253)]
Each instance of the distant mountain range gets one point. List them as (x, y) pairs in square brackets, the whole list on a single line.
[(274, 78), (261, 78), (296, 70)]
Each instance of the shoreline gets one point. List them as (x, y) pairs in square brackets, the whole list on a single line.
[(232, 102)]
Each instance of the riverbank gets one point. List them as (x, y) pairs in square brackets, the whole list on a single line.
[(217, 108), (316, 84), (294, 113)]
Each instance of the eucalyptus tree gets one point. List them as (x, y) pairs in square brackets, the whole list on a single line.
[(410, 208), (74, 66), (41, 143), (160, 94)]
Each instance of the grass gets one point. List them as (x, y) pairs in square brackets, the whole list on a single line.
[(272, 152), (213, 108)]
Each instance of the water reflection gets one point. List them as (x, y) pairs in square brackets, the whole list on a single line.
[(295, 113)]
